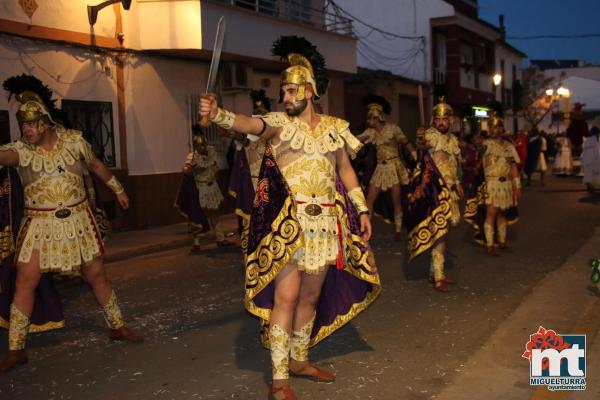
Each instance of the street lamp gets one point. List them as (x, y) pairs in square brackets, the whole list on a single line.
[(497, 78), (555, 96), (563, 91)]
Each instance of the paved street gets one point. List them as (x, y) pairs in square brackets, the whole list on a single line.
[(413, 343)]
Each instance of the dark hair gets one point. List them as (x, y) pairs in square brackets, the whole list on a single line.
[(197, 130)]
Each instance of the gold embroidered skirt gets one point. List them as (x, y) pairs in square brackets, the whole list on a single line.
[(499, 193), (210, 196), (388, 174), (321, 242), (65, 238)]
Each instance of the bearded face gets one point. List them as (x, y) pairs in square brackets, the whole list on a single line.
[(442, 123), (497, 131), (294, 107)]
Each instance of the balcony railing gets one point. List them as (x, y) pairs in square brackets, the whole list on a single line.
[(439, 76), (297, 11)]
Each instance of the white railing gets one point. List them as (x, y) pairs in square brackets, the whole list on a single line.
[(297, 11)]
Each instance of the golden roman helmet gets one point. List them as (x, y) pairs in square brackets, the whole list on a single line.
[(32, 108), (300, 72), (375, 110), (442, 109)]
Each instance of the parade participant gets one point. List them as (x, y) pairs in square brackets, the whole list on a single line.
[(497, 195), (47, 308), (309, 213), (590, 158), (536, 161), (435, 207), (201, 163), (472, 162), (563, 161), (58, 232), (520, 143), (390, 173), (578, 128)]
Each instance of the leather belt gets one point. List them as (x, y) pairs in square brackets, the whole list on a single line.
[(314, 209), (60, 212)]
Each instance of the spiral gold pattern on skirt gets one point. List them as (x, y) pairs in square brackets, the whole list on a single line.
[(425, 235), (273, 252)]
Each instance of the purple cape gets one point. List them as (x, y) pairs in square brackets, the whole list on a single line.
[(240, 187), (188, 204), (47, 309), (275, 235), (428, 207)]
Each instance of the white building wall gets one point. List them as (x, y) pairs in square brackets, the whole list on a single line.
[(62, 14), (510, 58), (71, 73), (158, 117), (403, 17)]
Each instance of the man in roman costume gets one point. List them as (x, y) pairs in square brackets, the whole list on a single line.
[(309, 268), (58, 232), (497, 195), (201, 164), (434, 193), (390, 173)]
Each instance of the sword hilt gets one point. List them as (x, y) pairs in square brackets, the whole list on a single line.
[(205, 120)]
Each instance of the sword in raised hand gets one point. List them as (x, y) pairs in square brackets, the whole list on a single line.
[(214, 65)]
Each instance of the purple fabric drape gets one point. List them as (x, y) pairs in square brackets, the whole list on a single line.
[(188, 203), (47, 308)]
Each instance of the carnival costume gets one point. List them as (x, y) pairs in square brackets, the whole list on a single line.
[(47, 309), (389, 169), (301, 214), (433, 198), (494, 187), (203, 170), (563, 160), (57, 220)]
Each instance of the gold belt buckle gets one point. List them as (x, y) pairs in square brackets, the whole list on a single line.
[(62, 213), (313, 210)]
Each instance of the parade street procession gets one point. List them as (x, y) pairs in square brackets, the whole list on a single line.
[(283, 200)]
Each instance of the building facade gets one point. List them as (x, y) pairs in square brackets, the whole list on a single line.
[(131, 81)]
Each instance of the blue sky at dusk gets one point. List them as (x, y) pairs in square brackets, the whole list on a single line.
[(549, 17)]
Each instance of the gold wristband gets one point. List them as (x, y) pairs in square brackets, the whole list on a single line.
[(114, 185), (224, 118), (92, 193), (357, 198)]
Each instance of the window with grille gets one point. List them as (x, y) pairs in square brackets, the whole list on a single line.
[(95, 120)]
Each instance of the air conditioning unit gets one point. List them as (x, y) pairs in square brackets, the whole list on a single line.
[(236, 76)]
